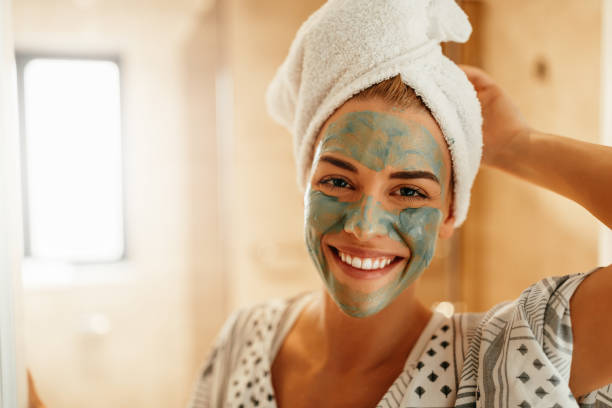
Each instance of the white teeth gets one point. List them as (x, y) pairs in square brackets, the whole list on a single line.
[(365, 263)]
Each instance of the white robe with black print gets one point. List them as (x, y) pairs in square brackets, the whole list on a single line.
[(518, 354)]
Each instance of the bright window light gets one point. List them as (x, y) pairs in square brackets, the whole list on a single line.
[(72, 160)]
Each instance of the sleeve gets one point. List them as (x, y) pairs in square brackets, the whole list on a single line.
[(545, 306), (201, 396), (210, 384), (521, 351)]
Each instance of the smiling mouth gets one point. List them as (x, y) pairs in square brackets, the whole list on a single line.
[(370, 265)]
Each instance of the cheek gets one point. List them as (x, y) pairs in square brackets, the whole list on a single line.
[(419, 229), (322, 214)]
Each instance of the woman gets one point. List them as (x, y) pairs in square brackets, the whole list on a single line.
[(387, 173)]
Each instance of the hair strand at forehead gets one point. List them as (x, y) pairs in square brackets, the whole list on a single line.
[(394, 92)]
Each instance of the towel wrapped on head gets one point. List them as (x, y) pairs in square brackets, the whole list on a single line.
[(348, 45)]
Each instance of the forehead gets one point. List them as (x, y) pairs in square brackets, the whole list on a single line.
[(379, 137)]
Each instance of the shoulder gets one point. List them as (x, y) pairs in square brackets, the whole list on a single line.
[(541, 313), (261, 320), (246, 338), (253, 318), (530, 340), (259, 326), (544, 304), (591, 316)]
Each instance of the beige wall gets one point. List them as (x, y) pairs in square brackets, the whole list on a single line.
[(165, 302), (518, 233), (269, 257)]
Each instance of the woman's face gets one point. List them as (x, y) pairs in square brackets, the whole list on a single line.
[(377, 200)]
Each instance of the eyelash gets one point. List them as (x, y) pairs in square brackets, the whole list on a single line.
[(420, 195), (329, 182)]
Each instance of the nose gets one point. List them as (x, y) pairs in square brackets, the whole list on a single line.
[(366, 219)]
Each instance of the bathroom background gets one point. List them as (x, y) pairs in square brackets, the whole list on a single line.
[(209, 216)]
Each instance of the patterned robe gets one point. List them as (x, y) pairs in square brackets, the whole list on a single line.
[(518, 354)]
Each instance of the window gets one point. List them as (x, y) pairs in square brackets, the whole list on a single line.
[(72, 159)]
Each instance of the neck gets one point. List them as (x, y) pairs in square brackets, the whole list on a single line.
[(343, 343)]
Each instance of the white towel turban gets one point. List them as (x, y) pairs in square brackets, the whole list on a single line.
[(348, 45)]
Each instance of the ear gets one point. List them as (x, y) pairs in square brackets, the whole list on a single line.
[(448, 225)]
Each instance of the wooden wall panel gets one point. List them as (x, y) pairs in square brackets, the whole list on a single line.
[(546, 55), (268, 254)]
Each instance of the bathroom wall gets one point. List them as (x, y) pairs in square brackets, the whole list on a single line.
[(546, 55), (269, 257), (165, 301), (215, 226)]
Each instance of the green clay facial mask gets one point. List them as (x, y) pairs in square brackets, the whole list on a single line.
[(378, 141)]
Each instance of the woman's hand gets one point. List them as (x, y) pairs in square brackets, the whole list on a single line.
[(578, 170), (502, 121)]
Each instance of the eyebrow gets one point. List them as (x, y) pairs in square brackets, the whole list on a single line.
[(417, 174), (340, 163), (406, 175)]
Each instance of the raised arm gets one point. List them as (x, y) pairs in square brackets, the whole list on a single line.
[(579, 171)]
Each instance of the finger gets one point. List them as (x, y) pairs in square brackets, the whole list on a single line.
[(477, 76)]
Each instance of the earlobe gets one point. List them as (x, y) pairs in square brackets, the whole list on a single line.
[(447, 227)]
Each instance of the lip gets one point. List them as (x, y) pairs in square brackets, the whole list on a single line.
[(364, 252), (361, 273)]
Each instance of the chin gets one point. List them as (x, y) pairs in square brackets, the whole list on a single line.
[(362, 292), (361, 310)]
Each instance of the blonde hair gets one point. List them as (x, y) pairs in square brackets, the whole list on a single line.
[(394, 92)]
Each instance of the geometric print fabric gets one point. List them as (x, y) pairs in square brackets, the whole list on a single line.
[(518, 354)]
